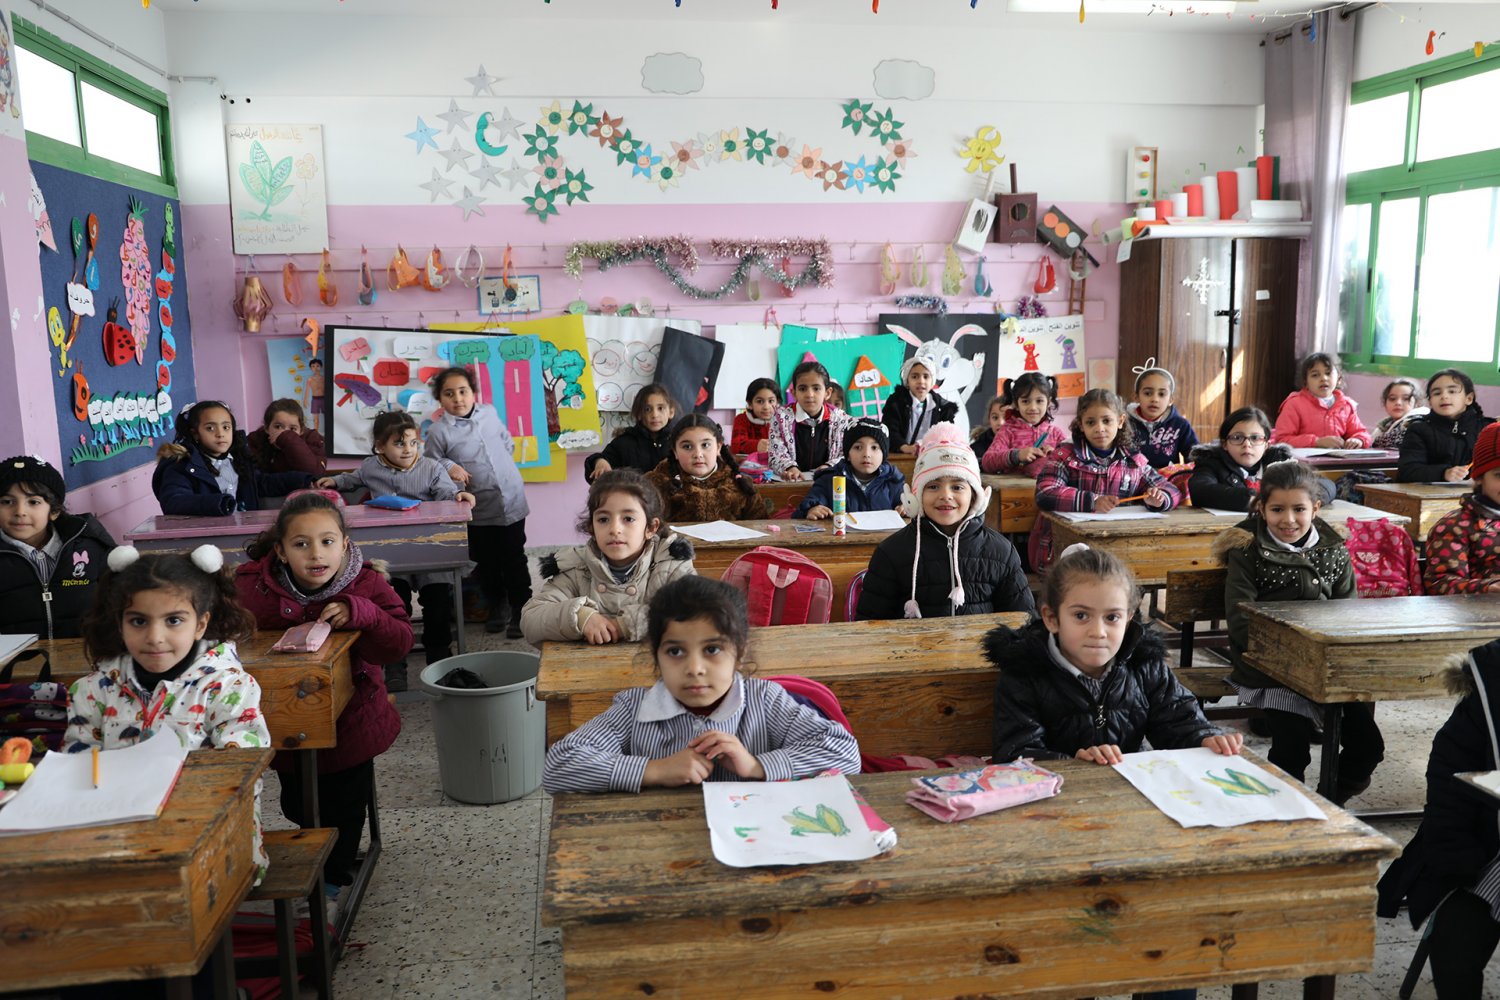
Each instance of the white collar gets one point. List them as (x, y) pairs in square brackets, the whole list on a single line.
[(658, 705), (756, 420), (804, 417), (1055, 652), (1308, 546)]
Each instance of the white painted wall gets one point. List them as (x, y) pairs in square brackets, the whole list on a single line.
[(141, 31), (1394, 36)]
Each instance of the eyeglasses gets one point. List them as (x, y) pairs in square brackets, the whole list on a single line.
[(1246, 439)]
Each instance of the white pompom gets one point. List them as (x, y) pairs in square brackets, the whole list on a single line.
[(122, 556), (1075, 547), (208, 558)]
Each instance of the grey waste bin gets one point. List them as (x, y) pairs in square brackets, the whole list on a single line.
[(490, 740)]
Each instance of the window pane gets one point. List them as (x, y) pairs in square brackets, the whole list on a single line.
[(1460, 273), (1354, 263), (1452, 122), (1395, 276), (1375, 134), (120, 131), (51, 106)]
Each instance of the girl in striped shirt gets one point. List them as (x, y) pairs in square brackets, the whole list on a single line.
[(702, 720)]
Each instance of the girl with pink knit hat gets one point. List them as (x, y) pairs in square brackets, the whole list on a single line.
[(947, 561)]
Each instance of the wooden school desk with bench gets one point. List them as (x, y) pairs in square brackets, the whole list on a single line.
[(919, 686), (1057, 899), (135, 901), (432, 538), (1422, 504)]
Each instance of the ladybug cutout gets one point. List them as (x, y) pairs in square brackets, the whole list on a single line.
[(119, 342)]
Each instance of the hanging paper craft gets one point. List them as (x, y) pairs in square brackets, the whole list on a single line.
[(689, 367), (959, 350), (328, 292), (367, 291), (165, 278), (434, 275), (277, 198), (1053, 345), (953, 270), (979, 150), (1198, 787), (400, 273), (750, 353), (135, 273), (624, 353), (39, 217), (867, 391)]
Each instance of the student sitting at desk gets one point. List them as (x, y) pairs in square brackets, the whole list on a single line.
[(1437, 447), (599, 592), (699, 480), (1463, 548), (870, 482), (947, 561), (1319, 415), (50, 560), (208, 469), (643, 444), (161, 638), (284, 442), (703, 719), (809, 434), (1226, 475), (1027, 434)]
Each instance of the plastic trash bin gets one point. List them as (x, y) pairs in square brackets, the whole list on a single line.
[(490, 740)]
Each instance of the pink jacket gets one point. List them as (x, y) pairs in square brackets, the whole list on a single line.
[(1302, 420), (369, 724), (1015, 434)]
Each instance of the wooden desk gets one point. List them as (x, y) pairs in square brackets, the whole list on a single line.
[(1334, 466), (645, 909), (908, 687), (1421, 503), (906, 463), (778, 495), (432, 538), (134, 900), (1182, 540), (841, 558), (1385, 649), (1013, 506)]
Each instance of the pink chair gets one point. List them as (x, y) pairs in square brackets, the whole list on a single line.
[(851, 602)]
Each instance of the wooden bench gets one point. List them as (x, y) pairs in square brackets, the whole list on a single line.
[(1197, 595), (296, 872)]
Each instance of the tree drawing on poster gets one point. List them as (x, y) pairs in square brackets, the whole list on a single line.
[(1053, 345), (960, 350), (297, 373), (277, 199), (624, 352)]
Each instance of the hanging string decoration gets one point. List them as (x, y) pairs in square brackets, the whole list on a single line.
[(767, 257)]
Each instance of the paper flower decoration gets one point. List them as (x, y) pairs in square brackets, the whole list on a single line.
[(645, 163), (625, 147), (757, 144), (606, 129), (784, 146), (712, 145), (885, 126), (685, 156), (574, 187), (540, 203), (729, 145), (540, 144), (901, 151), (550, 172), (553, 118), (979, 150), (581, 118), (807, 162), (832, 175), (884, 176), (855, 115), (666, 176), (859, 174)]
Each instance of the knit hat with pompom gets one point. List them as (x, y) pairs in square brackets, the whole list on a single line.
[(944, 451)]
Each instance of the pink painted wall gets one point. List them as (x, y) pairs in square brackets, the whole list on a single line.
[(231, 364)]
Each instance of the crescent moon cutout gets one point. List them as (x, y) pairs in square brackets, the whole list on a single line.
[(479, 140)]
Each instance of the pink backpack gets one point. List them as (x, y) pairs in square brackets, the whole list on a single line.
[(1384, 558), (781, 587)]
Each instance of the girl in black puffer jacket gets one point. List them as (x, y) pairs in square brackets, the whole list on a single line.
[(643, 444), (1438, 447), (1088, 681), (1226, 474)]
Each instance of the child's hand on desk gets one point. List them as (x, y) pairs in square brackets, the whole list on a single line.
[(326, 483), (1225, 744), (1103, 505), (792, 475), (1329, 441), (336, 614), (601, 629), (685, 767), (727, 748), (818, 513), (1157, 497), (1457, 474), (1354, 443), (465, 496), (459, 474), (1105, 754)]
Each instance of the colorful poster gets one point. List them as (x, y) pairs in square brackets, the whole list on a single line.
[(624, 352), (297, 373), (1049, 344), (960, 350), (1198, 787), (277, 199), (841, 357)]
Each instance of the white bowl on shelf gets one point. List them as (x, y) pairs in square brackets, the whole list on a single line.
[(1275, 211)]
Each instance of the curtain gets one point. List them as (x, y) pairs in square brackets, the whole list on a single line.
[(1307, 98)]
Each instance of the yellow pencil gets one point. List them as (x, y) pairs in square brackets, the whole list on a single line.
[(96, 767), (851, 519)]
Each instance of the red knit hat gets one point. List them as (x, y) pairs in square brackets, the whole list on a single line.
[(1486, 451)]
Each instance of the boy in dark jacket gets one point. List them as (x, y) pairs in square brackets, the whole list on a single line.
[(914, 407), (1452, 865), (50, 560), (947, 561), (870, 482)]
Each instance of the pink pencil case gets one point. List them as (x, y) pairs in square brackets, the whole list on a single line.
[(950, 797), (305, 638)]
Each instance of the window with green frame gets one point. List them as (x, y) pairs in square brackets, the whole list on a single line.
[(85, 115), (1420, 235)]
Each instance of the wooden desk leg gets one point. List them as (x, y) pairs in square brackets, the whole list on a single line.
[(355, 894), (457, 587), (1328, 768), (1244, 991), (1318, 987), (307, 770), (221, 969)]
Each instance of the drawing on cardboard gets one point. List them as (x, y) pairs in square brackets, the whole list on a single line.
[(1053, 345), (278, 201)]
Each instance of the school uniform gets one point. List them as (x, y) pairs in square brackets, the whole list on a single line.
[(881, 491), (609, 753), (807, 442), (49, 590), (632, 448), (1164, 440), (906, 419), (1434, 444), (188, 482), (581, 583)]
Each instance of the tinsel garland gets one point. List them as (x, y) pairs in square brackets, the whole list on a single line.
[(923, 302), (759, 254), (1030, 307), (612, 252), (818, 252)]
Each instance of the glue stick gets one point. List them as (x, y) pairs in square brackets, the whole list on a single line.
[(838, 505)]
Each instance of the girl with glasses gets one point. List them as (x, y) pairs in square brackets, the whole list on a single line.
[(1227, 474)]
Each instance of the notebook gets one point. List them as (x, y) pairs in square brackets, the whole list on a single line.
[(134, 784)]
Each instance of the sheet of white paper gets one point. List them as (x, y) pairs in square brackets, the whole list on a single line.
[(1118, 514), (134, 783), (1220, 512), (877, 520), (1354, 452), (718, 531), (1341, 510), (12, 643), (1198, 787), (786, 822), (1310, 452)]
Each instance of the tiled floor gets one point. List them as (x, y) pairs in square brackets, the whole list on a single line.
[(453, 911)]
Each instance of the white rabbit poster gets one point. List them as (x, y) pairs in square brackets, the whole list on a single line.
[(962, 351)]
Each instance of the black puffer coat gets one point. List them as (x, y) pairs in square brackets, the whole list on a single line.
[(1434, 444), (633, 448), (1043, 711), (988, 568), (1460, 831), (896, 414), (1219, 481), (74, 584)]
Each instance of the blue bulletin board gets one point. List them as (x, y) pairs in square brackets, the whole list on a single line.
[(116, 383)]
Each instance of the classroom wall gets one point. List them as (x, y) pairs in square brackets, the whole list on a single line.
[(367, 78)]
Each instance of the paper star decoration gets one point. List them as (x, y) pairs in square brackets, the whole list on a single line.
[(482, 81), (470, 203), (1202, 283), (506, 125), (517, 175), (422, 135), (487, 173), (456, 117), (437, 186), (456, 156)]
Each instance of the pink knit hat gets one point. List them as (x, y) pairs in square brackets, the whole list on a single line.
[(943, 452)]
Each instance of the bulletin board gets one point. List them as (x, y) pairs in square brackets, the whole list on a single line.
[(120, 382)]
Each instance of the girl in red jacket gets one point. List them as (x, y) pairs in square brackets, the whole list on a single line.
[(305, 569), (1319, 415)]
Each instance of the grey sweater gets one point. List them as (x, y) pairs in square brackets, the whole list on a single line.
[(481, 444), (427, 479)]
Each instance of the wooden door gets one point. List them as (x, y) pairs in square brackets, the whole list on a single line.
[(1264, 351)]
